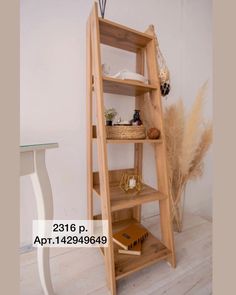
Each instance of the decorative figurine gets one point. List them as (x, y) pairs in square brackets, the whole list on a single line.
[(136, 118)]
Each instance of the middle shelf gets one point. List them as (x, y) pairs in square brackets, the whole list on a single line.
[(124, 141), (121, 200), (126, 87)]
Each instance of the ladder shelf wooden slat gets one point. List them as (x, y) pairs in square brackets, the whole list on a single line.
[(121, 141), (126, 87), (121, 200), (122, 37), (126, 141), (152, 251), (119, 208), (102, 147)]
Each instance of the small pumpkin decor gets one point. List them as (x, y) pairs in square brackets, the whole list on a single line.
[(131, 183), (153, 133)]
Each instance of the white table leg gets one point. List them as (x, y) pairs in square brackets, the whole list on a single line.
[(43, 194)]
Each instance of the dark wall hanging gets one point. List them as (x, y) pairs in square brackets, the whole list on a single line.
[(164, 74), (102, 5)]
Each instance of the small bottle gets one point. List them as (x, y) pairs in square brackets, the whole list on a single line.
[(136, 118)]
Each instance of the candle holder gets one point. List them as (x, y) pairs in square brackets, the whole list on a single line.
[(131, 183)]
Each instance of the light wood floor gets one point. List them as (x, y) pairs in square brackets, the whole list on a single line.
[(80, 271)]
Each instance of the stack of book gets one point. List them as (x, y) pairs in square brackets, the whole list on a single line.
[(130, 239)]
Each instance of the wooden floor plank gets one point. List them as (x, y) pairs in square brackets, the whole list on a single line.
[(81, 270), (192, 247), (30, 257), (187, 283)]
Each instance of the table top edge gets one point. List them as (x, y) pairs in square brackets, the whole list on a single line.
[(41, 146)]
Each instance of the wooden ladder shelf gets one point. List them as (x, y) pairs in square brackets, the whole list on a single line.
[(117, 207)]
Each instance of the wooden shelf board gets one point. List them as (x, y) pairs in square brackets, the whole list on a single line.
[(120, 141), (121, 200), (122, 37), (152, 251), (123, 141), (126, 87)]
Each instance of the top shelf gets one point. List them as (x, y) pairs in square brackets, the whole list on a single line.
[(122, 37)]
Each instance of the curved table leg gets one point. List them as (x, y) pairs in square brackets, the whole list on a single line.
[(43, 194)]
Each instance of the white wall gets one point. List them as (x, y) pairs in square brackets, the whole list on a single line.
[(53, 94)]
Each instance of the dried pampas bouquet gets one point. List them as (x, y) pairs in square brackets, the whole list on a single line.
[(187, 140)]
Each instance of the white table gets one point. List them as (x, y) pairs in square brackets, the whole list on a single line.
[(32, 162)]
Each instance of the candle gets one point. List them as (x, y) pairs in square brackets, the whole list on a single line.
[(132, 182)]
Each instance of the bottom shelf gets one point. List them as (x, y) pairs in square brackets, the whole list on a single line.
[(152, 251)]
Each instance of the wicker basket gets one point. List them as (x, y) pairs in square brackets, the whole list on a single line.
[(125, 132)]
